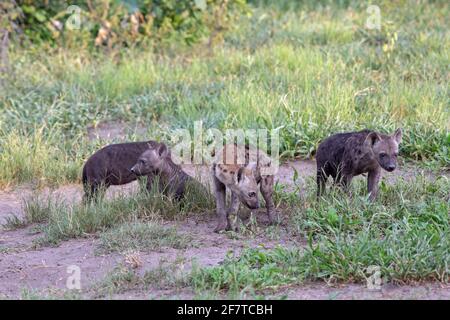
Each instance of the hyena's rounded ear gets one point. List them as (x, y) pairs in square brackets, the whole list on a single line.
[(371, 139), (239, 174), (163, 151), (254, 167), (398, 135)]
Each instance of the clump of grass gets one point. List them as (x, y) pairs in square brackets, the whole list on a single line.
[(143, 236), (78, 220), (167, 275), (253, 269), (122, 279), (64, 221), (36, 157), (13, 222), (50, 294), (37, 209)]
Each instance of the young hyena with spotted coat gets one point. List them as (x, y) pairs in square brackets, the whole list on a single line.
[(345, 155), (242, 170)]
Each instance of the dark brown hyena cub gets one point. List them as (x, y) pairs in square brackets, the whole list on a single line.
[(345, 155), (111, 165)]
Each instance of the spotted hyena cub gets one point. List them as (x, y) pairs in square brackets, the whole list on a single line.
[(244, 171), (345, 155), (156, 160)]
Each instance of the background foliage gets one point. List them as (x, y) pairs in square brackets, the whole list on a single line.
[(118, 22), (309, 68)]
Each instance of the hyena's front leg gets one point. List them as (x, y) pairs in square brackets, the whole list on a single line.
[(232, 209), (373, 180), (346, 182), (267, 192), (234, 206), (223, 222), (149, 183)]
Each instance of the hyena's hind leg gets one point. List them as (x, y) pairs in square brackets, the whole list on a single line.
[(321, 182), (223, 221), (93, 192), (266, 188), (343, 178)]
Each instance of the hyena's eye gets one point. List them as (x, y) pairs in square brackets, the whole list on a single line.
[(382, 155), (252, 194), (142, 161)]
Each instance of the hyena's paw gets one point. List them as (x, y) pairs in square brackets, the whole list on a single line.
[(223, 226)]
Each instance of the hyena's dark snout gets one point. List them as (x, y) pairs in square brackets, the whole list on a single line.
[(252, 204), (391, 167), (134, 170)]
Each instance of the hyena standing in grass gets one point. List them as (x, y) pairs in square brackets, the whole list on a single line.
[(345, 155), (241, 170)]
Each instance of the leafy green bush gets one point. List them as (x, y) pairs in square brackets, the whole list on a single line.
[(120, 22)]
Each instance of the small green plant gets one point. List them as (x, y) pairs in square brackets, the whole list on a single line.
[(50, 294), (13, 222), (119, 280), (167, 275)]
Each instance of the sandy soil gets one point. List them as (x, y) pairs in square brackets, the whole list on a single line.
[(23, 266)]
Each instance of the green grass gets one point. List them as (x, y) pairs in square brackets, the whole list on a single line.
[(49, 294), (405, 233), (167, 275), (13, 222), (311, 70), (62, 221), (37, 209), (119, 280)]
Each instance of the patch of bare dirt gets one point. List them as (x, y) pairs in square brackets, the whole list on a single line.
[(49, 267), (17, 240)]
